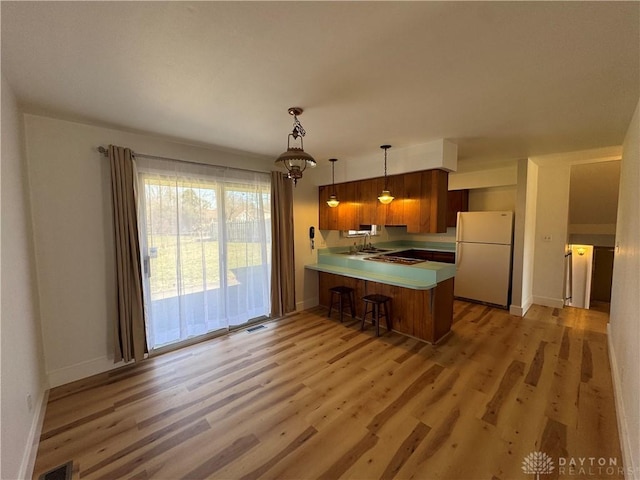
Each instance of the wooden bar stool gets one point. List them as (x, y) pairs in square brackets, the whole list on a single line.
[(376, 301), (343, 293)]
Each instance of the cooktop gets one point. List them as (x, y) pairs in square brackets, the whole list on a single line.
[(389, 258)]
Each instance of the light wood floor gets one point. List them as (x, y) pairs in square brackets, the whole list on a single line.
[(308, 397)]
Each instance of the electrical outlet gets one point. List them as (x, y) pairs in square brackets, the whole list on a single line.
[(547, 238), (29, 402)]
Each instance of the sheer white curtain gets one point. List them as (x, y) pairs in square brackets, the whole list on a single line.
[(206, 247)]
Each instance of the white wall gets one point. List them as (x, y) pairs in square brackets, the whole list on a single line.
[(551, 234), (73, 231), (483, 174), (305, 215), (529, 253), (22, 367), (400, 233), (493, 199), (524, 238), (624, 333)]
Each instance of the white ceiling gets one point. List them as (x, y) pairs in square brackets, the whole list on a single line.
[(500, 79)]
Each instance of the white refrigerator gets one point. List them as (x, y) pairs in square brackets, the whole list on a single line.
[(483, 257)]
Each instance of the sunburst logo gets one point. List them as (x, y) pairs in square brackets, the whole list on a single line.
[(537, 463)]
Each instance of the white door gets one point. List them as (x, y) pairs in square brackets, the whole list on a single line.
[(483, 272)]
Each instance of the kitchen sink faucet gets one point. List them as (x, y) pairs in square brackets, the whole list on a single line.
[(364, 241)]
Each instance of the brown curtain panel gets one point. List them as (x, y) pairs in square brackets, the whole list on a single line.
[(130, 339), (283, 297)]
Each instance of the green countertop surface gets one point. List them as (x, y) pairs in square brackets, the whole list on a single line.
[(420, 276)]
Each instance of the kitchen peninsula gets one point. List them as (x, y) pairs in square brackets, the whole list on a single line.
[(421, 289)]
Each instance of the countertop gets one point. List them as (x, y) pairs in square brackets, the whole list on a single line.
[(420, 276)]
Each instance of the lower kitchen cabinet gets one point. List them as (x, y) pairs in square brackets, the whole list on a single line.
[(330, 280), (430, 255), (424, 314), (444, 257)]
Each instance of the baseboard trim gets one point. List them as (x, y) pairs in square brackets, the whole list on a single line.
[(81, 370), (549, 302), (520, 310), (31, 450), (307, 303), (631, 470)]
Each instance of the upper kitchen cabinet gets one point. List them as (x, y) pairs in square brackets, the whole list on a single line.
[(346, 215), (394, 214), (328, 216), (457, 201), (433, 202), (370, 212), (420, 203), (348, 210), (412, 200)]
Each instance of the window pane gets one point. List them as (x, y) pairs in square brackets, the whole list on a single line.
[(197, 229)]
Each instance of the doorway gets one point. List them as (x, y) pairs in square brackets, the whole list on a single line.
[(593, 208), (206, 243), (601, 278)]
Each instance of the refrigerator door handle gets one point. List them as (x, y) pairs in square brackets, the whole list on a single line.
[(459, 227)]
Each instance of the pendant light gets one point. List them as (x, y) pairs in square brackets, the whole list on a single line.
[(333, 200), (385, 197), (295, 159)]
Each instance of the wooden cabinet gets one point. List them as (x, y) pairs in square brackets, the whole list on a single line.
[(370, 212), (395, 210), (424, 314), (413, 200), (457, 201), (328, 217), (444, 257), (376, 186), (430, 255), (348, 208), (330, 280), (343, 217), (420, 203), (433, 202)]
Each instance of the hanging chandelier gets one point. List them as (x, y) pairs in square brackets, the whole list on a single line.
[(333, 200), (385, 197), (295, 159)]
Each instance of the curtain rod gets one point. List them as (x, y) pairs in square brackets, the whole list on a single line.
[(105, 152)]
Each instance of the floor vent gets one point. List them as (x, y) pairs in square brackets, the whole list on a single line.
[(250, 330), (63, 472)]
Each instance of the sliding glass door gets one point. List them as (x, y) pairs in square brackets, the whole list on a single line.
[(206, 243)]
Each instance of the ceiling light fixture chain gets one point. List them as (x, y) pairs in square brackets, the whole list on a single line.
[(298, 130), (385, 197), (385, 147), (333, 173)]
